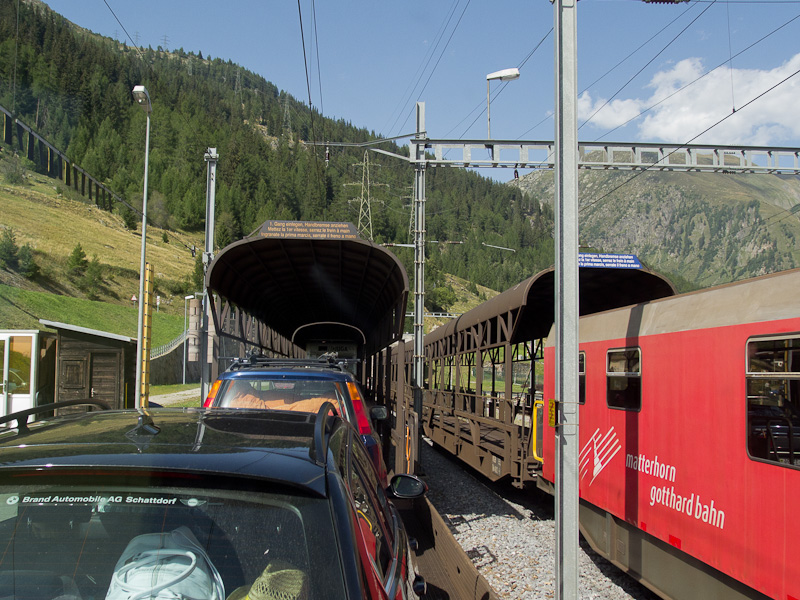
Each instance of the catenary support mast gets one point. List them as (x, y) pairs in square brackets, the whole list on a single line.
[(566, 317)]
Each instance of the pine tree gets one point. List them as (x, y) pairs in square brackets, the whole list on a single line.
[(77, 263), (27, 265), (93, 278), (8, 249)]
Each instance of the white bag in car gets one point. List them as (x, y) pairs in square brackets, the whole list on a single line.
[(165, 565)]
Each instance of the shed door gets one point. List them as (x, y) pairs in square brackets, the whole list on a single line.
[(105, 369)]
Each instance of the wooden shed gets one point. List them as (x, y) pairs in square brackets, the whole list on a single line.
[(94, 364)]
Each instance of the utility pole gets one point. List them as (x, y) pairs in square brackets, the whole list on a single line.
[(211, 158), (419, 266)]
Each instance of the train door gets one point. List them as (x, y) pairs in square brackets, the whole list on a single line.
[(16, 352)]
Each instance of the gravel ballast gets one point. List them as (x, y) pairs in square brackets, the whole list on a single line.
[(510, 535)]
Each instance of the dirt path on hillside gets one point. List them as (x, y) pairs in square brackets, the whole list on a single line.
[(168, 399)]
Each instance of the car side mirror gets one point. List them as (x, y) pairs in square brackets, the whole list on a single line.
[(378, 413), (407, 486)]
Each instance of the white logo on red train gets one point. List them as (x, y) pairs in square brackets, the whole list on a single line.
[(598, 452)]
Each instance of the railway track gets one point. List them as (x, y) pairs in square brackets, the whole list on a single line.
[(509, 535)]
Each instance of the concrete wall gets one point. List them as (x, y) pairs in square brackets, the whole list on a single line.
[(168, 369)]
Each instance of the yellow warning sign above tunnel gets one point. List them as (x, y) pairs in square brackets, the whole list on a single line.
[(310, 230)]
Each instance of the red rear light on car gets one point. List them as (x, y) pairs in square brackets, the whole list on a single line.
[(360, 407), (212, 393)]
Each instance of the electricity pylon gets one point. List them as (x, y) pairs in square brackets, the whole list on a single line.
[(365, 202)]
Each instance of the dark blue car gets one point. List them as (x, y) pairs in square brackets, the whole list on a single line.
[(300, 385)]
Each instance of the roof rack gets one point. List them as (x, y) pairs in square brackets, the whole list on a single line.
[(320, 446), (257, 360)]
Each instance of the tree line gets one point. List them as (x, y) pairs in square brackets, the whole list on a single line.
[(74, 88)]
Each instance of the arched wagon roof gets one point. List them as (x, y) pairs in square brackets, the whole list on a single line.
[(289, 280), (527, 310)]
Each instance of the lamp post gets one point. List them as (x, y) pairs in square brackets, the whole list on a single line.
[(504, 75), (143, 99)]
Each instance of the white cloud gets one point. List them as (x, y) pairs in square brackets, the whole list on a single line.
[(607, 115), (680, 116)]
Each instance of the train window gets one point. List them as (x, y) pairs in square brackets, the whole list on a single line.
[(582, 377), (448, 374), (773, 400), (466, 374), (436, 374), (624, 379), (493, 365)]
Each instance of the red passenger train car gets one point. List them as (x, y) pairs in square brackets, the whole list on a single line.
[(690, 439)]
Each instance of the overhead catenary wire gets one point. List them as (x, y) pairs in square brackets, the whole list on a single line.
[(785, 214), (481, 104), (687, 143), (633, 52), (672, 41), (612, 69), (319, 70), (406, 96), (441, 54), (117, 198), (708, 72), (308, 87), (619, 63), (730, 54), (191, 126)]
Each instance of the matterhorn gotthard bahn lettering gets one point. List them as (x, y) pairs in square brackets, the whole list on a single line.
[(598, 452)]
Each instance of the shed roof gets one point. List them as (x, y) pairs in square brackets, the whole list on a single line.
[(87, 331)]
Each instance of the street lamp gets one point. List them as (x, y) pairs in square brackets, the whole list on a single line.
[(504, 75), (185, 333), (143, 99)]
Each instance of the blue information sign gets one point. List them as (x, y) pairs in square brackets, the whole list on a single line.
[(609, 261)]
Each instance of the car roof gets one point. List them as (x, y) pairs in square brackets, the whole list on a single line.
[(287, 373), (323, 367), (279, 446)]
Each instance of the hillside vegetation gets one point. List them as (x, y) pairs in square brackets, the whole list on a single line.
[(74, 87), (52, 221)]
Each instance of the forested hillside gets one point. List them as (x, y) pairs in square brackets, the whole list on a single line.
[(74, 88)]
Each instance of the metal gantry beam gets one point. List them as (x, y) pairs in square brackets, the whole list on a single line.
[(613, 156)]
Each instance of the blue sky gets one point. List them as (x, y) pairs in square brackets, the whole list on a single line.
[(370, 61)]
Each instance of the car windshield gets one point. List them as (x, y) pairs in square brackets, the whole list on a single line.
[(82, 542), (280, 393)]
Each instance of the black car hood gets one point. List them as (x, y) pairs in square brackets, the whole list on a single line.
[(254, 444)]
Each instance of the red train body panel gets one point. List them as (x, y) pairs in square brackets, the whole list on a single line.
[(695, 464)]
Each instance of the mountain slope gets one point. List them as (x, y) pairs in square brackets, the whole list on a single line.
[(53, 221), (708, 228)]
